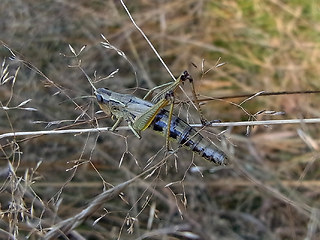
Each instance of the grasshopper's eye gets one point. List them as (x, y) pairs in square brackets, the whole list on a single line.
[(99, 98)]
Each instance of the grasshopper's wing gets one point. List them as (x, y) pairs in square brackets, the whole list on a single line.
[(137, 106)]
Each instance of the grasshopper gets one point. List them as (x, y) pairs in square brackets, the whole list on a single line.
[(141, 114)]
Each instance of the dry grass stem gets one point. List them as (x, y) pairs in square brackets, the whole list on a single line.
[(106, 129)]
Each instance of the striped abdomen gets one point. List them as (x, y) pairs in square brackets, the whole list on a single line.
[(187, 136)]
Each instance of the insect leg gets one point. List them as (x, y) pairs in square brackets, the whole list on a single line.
[(135, 132), (171, 87), (169, 97), (204, 121), (155, 88), (143, 122), (114, 127)]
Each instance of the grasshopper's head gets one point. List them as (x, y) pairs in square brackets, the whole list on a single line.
[(103, 96)]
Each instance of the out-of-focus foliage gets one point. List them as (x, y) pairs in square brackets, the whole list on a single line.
[(270, 189)]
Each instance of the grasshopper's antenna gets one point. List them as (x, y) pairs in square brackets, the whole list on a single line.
[(88, 78)]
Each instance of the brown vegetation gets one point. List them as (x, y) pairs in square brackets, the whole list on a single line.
[(73, 182)]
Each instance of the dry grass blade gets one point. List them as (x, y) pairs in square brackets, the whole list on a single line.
[(220, 124), (147, 40)]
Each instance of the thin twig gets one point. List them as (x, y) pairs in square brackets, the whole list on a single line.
[(223, 124), (155, 51), (256, 123), (147, 39), (263, 93), (53, 132)]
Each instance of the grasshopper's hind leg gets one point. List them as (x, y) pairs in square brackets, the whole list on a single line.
[(135, 132), (170, 98), (203, 120), (155, 88), (144, 121)]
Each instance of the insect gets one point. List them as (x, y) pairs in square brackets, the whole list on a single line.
[(141, 114)]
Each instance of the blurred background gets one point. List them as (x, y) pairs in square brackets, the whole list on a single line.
[(270, 189)]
